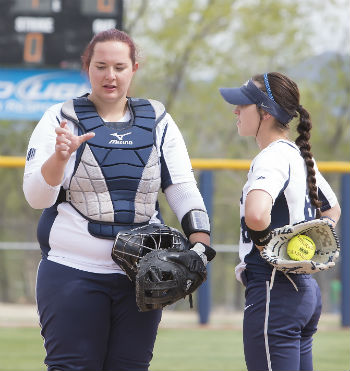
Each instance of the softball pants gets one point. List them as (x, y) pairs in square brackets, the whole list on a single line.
[(279, 322), (90, 322)]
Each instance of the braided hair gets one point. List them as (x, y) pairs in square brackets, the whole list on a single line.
[(286, 94)]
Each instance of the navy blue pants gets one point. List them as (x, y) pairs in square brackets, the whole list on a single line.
[(279, 323), (90, 322)]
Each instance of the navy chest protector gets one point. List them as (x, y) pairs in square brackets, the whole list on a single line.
[(116, 178)]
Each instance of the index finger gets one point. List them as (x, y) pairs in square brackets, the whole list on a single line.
[(63, 128)]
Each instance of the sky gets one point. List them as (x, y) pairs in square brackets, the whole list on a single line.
[(333, 28), (329, 19)]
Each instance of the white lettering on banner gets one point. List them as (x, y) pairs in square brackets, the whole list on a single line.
[(29, 96), (56, 6), (36, 88), (35, 24), (52, 91), (6, 89), (100, 24), (14, 106)]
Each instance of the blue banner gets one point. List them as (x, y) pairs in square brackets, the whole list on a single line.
[(26, 94)]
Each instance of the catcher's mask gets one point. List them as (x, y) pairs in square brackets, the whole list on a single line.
[(158, 286), (131, 245), (163, 278)]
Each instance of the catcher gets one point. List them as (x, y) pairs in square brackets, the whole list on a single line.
[(284, 195), (95, 164)]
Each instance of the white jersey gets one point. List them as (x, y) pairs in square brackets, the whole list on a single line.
[(70, 242), (280, 170)]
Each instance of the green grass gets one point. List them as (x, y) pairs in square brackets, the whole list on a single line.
[(198, 349), (193, 349)]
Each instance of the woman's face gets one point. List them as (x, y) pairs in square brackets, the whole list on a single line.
[(111, 71), (248, 119)]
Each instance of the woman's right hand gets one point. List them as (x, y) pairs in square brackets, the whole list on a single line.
[(67, 142)]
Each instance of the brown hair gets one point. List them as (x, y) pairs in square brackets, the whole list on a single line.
[(286, 93), (109, 35)]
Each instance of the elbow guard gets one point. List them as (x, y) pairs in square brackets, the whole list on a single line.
[(195, 221)]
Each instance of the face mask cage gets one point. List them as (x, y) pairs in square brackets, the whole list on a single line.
[(130, 246)]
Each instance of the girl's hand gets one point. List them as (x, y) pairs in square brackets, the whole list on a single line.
[(67, 142)]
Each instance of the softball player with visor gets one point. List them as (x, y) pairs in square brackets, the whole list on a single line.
[(284, 186)]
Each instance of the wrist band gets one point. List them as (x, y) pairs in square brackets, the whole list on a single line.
[(328, 217), (202, 248), (260, 238)]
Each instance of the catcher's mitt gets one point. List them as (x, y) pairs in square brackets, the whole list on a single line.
[(131, 245), (320, 231), (166, 276)]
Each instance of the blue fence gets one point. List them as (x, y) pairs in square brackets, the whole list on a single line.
[(345, 249)]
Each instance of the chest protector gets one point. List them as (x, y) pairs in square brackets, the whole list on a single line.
[(116, 178)]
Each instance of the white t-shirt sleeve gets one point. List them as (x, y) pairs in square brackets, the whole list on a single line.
[(184, 197), (270, 173), (41, 146), (175, 162), (325, 193)]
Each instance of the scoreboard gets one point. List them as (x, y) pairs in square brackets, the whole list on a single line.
[(52, 33)]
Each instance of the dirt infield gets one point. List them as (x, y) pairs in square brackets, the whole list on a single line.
[(18, 315), (24, 315)]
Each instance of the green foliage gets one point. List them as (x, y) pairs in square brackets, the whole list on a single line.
[(327, 99), (18, 270), (191, 48), (17, 219), (15, 136)]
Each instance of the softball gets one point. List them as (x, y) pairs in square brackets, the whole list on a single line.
[(301, 247)]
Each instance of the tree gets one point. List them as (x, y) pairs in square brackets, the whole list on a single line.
[(191, 48)]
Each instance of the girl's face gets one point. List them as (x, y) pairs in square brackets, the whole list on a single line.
[(248, 119), (111, 71)]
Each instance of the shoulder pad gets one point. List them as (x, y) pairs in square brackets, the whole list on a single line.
[(68, 111), (158, 107)]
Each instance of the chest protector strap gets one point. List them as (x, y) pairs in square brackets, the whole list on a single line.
[(116, 178)]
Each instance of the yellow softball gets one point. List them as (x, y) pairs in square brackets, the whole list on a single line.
[(301, 247)]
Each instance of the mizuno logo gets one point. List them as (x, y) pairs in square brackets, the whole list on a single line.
[(263, 105), (247, 306), (120, 138)]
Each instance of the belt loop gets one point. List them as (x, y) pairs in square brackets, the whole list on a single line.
[(63, 196), (68, 196)]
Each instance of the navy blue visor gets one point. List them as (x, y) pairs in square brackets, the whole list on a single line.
[(249, 93)]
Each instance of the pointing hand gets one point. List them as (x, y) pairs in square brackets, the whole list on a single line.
[(67, 142)]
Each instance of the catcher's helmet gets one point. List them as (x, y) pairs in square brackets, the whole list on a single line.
[(131, 245)]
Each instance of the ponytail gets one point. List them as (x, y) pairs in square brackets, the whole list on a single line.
[(302, 141), (286, 93)]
